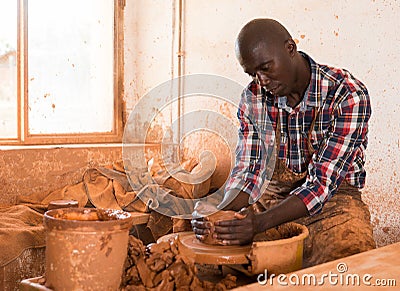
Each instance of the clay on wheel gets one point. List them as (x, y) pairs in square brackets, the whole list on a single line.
[(218, 216)]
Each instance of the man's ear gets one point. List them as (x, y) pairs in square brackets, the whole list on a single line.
[(291, 46)]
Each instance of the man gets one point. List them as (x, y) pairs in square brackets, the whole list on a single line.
[(320, 117)]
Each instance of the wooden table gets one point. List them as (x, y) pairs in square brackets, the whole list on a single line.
[(139, 217), (365, 271)]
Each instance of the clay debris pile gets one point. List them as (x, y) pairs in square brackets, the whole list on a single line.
[(161, 267), (282, 231)]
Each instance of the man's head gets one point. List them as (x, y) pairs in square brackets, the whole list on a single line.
[(266, 51)]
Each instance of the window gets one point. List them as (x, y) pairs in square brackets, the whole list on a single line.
[(8, 70), (60, 71)]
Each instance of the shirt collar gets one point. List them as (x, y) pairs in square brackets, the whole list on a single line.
[(319, 85)]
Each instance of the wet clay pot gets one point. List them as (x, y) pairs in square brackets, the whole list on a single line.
[(85, 248), (217, 216)]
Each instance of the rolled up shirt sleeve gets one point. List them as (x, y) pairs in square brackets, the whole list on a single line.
[(343, 142), (253, 150)]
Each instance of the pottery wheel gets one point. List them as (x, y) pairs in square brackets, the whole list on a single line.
[(209, 254)]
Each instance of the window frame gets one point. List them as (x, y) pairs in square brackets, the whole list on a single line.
[(23, 136)]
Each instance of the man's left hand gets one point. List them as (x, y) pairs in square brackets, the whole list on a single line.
[(239, 231)]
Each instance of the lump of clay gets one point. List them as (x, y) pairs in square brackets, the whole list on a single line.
[(282, 231)]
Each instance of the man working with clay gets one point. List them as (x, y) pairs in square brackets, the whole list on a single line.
[(319, 117)]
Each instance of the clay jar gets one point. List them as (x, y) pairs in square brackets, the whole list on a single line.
[(217, 216)]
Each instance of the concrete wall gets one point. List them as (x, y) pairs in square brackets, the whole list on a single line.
[(31, 170), (360, 36)]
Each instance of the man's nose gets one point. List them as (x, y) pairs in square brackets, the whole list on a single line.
[(263, 79)]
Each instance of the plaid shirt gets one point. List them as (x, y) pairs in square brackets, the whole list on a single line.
[(338, 138)]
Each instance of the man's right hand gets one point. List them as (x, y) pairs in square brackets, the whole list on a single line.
[(200, 227)]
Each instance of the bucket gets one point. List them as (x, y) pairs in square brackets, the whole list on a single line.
[(279, 250), (85, 248)]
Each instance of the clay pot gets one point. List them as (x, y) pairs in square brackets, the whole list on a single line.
[(85, 248), (217, 216)]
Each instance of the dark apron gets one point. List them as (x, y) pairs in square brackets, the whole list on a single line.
[(343, 226)]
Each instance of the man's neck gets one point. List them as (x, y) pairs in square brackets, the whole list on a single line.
[(304, 74), (293, 100)]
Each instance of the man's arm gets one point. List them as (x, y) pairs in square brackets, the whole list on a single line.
[(252, 158), (242, 230), (337, 152), (255, 155)]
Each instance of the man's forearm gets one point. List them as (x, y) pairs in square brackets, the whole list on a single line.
[(235, 200), (290, 209)]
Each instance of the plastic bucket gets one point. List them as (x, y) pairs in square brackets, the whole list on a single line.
[(85, 248)]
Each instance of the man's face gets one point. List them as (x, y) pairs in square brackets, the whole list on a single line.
[(272, 66)]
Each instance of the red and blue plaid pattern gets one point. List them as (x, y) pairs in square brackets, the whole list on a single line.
[(338, 137)]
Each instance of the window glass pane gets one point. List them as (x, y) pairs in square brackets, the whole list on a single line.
[(70, 66), (8, 69)]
